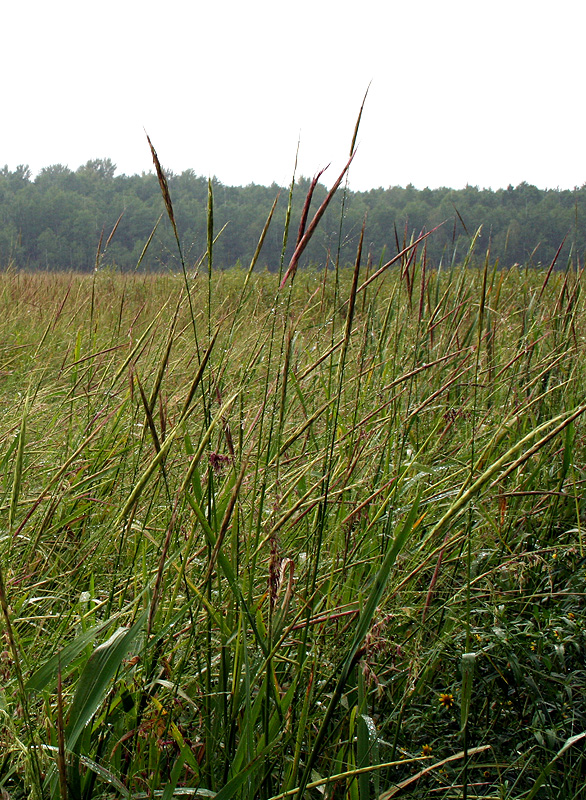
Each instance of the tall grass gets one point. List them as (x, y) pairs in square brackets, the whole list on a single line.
[(254, 528)]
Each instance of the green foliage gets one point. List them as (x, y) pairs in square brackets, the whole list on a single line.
[(56, 220), (271, 536)]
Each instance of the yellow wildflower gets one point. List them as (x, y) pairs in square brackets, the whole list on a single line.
[(446, 699)]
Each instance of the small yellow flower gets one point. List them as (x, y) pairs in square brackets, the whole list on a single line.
[(446, 699), (426, 750), (571, 615), (533, 646)]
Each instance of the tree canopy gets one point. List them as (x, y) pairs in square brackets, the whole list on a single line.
[(61, 219)]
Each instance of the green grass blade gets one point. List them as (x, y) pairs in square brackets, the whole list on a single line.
[(543, 775), (94, 682), (362, 626)]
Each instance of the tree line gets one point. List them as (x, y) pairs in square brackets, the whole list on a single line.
[(63, 219)]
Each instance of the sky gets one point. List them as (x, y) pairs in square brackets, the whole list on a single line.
[(461, 91)]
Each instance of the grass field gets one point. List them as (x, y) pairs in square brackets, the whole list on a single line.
[(272, 535), (317, 541)]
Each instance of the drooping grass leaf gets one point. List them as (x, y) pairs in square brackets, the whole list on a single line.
[(94, 682)]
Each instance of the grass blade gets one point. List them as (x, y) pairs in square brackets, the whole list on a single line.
[(94, 682)]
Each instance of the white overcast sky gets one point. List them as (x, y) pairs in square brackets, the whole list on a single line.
[(463, 91)]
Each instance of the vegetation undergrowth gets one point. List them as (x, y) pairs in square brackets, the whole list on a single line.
[(306, 534)]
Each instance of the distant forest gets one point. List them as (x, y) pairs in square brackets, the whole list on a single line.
[(57, 220)]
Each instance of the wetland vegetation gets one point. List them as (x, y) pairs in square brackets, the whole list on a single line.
[(272, 535)]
